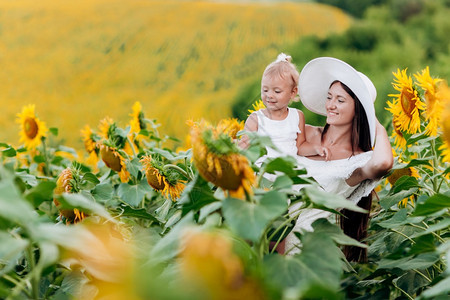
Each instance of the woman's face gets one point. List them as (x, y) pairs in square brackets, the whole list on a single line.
[(340, 106)]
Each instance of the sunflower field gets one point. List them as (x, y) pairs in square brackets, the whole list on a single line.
[(79, 61), (129, 218)]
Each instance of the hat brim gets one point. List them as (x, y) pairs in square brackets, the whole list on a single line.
[(315, 80)]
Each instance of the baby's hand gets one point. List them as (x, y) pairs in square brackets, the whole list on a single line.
[(324, 152), (244, 142)]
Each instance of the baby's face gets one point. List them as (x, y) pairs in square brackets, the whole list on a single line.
[(276, 92)]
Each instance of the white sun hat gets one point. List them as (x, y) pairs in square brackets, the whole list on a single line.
[(315, 80)]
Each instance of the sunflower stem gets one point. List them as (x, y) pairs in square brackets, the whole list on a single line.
[(404, 235), (278, 241), (433, 233), (403, 291), (132, 146), (292, 217), (435, 165), (46, 165), (421, 274), (186, 174), (34, 280)]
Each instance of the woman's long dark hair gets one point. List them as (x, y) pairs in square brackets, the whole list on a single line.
[(355, 224)]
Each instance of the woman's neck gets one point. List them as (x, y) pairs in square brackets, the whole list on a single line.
[(338, 136)]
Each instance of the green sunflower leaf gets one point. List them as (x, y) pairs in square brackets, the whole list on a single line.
[(249, 220), (133, 194), (40, 193), (432, 205)]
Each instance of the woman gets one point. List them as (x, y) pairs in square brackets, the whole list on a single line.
[(359, 146)]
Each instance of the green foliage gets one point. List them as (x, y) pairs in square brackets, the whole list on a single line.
[(392, 34), (408, 246), (354, 8)]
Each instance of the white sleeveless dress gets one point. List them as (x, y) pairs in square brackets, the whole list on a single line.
[(331, 176), (283, 134)]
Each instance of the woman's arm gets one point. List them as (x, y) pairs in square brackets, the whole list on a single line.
[(381, 162), (251, 124)]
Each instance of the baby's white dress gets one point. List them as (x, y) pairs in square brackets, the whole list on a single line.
[(331, 176), (283, 134)]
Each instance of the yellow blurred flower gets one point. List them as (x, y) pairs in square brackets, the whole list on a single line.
[(406, 105), (67, 183), (137, 118), (444, 94), (32, 129), (230, 126), (396, 174), (218, 160), (115, 161), (162, 180), (105, 127), (208, 264), (433, 104), (256, 106), (103, 252), (397, 135), (89, 140)]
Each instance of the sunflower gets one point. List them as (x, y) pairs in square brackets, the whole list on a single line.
[(218, 160), (230, 126), (433, 104), (115, 161), (166, 181), (257, 106), (444, 94), (68, 182), (406, 105), (33, 130)]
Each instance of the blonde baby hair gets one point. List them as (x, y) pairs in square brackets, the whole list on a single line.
[(283, 68)]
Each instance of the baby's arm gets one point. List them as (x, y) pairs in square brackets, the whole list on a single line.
[(251, 124), (306, 148)]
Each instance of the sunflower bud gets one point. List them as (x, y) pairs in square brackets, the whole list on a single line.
[(161, 180), (218, 160), (65, 184), (111, 158), (154, 179)]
